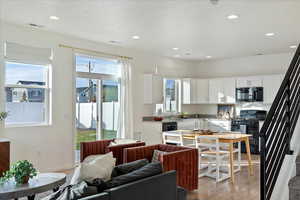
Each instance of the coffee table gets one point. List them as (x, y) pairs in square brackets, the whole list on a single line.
[(41, 183)]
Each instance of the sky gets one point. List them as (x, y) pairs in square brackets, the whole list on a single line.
[(26, 72)]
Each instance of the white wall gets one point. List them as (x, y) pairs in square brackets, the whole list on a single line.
[(245, 66), (51, 147)]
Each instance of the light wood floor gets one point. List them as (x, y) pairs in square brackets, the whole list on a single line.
[(245, 188)]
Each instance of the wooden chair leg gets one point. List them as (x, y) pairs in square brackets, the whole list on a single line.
[(231, 162)]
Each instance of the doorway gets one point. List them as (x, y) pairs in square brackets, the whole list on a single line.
[(97, 100)]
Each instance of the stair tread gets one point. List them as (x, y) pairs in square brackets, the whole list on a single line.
[(294, 183)]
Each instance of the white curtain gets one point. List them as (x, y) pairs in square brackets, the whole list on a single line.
[(125, 127)]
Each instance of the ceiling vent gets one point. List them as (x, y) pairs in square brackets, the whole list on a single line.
[(214, 2), (35, 25)]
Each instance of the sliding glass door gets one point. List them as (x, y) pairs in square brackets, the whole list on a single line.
[(97, 100)]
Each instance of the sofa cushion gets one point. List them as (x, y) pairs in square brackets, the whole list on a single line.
[(148, 170), (156, 155), (94, 167), (129, 167)]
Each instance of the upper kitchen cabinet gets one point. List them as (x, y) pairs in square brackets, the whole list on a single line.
[(222, 90), (194, 91), (251, 81), (229, 86), (153, 89), (271, 86)]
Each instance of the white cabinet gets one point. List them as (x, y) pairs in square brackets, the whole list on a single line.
[(194, 91), (271, 86), (229, 90), (216, 94), (153, 89), (251, 81), (222, 90)]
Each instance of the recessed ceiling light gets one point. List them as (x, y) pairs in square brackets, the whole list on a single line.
[(135, 37), (175, 48), (232, 16), (54, 17), (208, 57), (269, 34), (293, 46)]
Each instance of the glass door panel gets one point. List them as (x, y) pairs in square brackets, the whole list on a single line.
[(86, 112), (110, 108)]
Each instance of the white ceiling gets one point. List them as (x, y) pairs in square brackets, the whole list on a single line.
[(194, 26)]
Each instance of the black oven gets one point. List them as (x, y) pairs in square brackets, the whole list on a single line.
[(247, 126), (253, 114), (250, 94)]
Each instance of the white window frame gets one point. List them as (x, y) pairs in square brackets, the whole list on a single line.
[(48, 93), (177, 95)]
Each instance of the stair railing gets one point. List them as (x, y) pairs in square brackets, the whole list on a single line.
[(278, 129)]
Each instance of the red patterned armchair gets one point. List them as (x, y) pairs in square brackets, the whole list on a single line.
[(102, 147), (182, 159)]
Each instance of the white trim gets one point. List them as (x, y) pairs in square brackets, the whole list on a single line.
[(26, 86), (96, 76), (20, 125), (95, 56)]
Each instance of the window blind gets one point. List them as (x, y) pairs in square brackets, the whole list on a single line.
[(24, 53)]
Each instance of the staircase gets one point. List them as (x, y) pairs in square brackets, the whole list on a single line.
[(280, 136), (294, 184)]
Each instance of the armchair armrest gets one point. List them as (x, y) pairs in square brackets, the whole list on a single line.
[(137, 153), (185, 162)]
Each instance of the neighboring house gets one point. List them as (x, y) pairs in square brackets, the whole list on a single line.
[(110, 93), (26, 94)]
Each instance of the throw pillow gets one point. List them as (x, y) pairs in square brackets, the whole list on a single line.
[(122, 141), (129, 167), (92, 157), (156, 154), (148, 170), (99, 167)]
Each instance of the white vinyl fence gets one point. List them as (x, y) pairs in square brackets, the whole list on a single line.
[(25, 112), (86, 115)]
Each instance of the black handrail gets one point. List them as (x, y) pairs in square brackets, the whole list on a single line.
[(278, 129)]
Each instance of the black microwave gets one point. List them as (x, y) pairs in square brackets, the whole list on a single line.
[(250, 94)]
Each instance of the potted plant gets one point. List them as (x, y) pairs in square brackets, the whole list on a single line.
[(21, 171), (3, 115)]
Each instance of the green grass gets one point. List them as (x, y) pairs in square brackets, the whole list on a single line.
[(90, 135)]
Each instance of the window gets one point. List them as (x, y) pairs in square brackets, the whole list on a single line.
[(171, 95), (27, 93)]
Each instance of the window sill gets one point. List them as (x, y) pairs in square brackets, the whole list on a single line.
[(26, 125)]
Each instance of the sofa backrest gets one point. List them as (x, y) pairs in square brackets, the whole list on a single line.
[(159, 187)]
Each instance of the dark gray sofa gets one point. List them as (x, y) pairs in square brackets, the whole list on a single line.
[(159, 187)]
